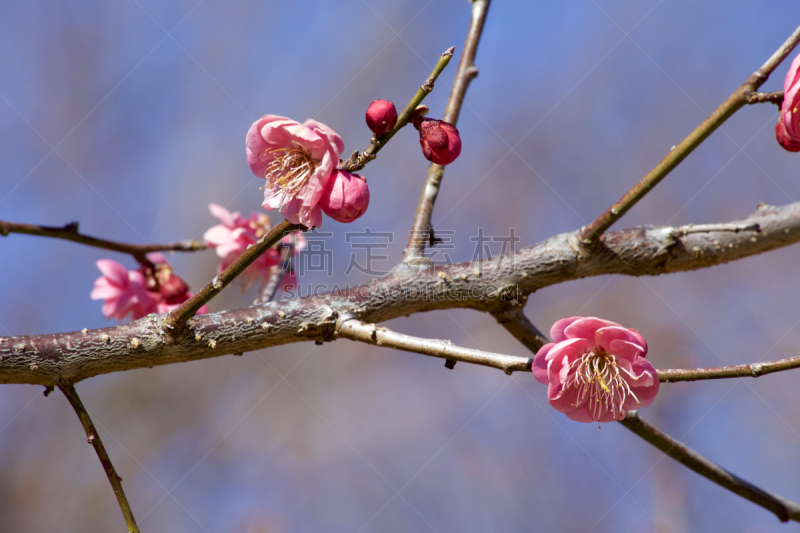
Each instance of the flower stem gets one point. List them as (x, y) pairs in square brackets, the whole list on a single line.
[(358, 161), (94, 439), (733, 103), (175, 320)]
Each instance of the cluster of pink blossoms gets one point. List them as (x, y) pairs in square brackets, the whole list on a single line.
[(140, 292), (787, 130), (595, 370), (236, 233), (299, 162)]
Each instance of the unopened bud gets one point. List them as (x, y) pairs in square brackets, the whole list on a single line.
[(381, 117), (345, 196), (440, 141)]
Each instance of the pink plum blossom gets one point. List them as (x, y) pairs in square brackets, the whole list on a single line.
[(787, 130), (296, 160), (595, 370), (236, 233), (346, 196), (139, 292), (124, 291)]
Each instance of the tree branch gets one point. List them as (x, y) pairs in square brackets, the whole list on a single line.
[(276, 275), (357, 161), (175, 320), (766, 98), (349, 327), (502, 283), (752, 370), (678, 153), (784, 509), (70, 232), (516, 323), (464, 75), (93, 437)]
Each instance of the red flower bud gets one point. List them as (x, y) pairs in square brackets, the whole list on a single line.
[(345, 196), (783, 139), (381, 116), (440, 141)]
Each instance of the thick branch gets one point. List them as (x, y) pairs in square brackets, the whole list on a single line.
[(175, 320), (93, 437), (499, 284), (464, 75), (678, 153), (784, 509), (70, 233), (358, 161), (354, 329)]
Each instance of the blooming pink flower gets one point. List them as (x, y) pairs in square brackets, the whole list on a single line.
[(787, 130), (236, 233), (296, 160), (440, 140), (381, 117), (346, 196), (125, 292), (140, 292), (595, 369)]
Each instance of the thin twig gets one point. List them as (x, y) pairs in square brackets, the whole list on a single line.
[(70, 232), (276, 275), (351, 328), (753, 370), (766, 98), (784, 509), (516, 323), (678, 153), (175, 320), (464, 75), (93, 437), (357, 161)]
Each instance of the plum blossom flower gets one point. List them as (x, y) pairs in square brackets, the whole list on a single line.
[(296, 160), (595, 370), (346, 196), (236, 233), (787, 130), (140, 292)]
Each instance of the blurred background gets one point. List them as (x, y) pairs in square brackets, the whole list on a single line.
[(130, 117)]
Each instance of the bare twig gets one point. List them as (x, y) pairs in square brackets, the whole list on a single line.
[(516, 323), (784, 509), (70, 232), (766, 98), (276, 275), (93, 437), (174, 321), (753, 370), (357, 161), (678, 153), (74, 356), (464, 75), (351, 328)]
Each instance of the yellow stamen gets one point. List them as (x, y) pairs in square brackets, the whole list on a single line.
[(289, 170)]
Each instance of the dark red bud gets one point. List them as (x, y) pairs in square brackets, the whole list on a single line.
[(381, 117), (440, 141)]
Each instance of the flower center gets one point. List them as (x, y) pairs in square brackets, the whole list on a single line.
[(289, 169), (599, 381)]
